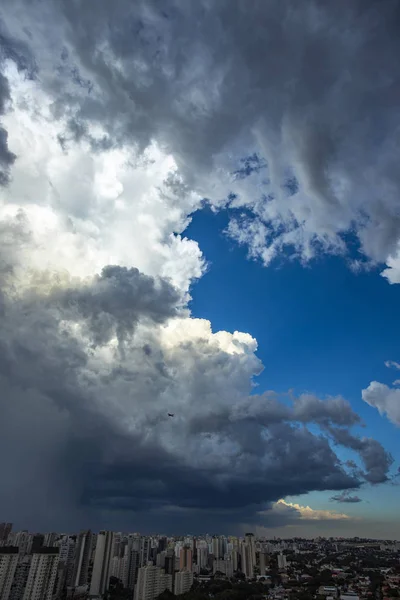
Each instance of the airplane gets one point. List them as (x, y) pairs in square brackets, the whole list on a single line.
[(170, 414)]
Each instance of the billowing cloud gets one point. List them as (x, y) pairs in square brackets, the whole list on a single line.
[(385, 399), (262, 109), (309, 514), (346, 498), (375, 459), (99, 362), (123, 121)]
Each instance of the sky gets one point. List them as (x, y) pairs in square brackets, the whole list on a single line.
[(199, 215)]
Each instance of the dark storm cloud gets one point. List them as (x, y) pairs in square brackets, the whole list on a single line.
[(84, 419), (346, 498), (6, 156), (375, 458), (114, 301), (89, 425), (18, 52), (312, 86)]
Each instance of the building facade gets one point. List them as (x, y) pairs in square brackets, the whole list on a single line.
[(246, 556), (82, 559), (8, 565), (101, 566), (152, 581), (183, 582), (223, 566), (186, 559), (5, 530), (42, 574)]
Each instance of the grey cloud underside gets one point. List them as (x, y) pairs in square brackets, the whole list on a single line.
[(86, 423), (313, 87), (346, 498), (18, 52)]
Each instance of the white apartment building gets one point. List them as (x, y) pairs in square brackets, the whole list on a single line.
[(246, 555), (101, 566), (152, 581), (82, 559), (183, 582), (8, 564), (42, 575)]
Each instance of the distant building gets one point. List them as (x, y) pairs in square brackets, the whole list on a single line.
[(67, 546), (202, 557), (328, 590), (23, 540), (186, 559), (223, 566), (133, 567), (42, 574), (183, 582), (5, 530), (263, 563), (101, 566), (246, 556), (80, 576), (282, 561), (145, 547), (50, 539), (349, 595), (8, 565), (249, 538), (20, 578), (152, 581)]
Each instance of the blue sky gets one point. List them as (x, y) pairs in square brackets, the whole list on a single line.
[(321, 328)]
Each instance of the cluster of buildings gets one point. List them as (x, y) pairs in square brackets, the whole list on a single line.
[(54, 566)]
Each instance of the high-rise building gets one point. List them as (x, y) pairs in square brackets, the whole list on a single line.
[(152, 581), (218, 547), (183, 582), (67, 546), (23, 540), (42, 574), (8, 565), (202, 557), (282, 561), (145, 546), (235, 559), (20, 578), (5, 530), (133, 567), (263, 563), (83, 553), (246, 556), (249, 539), (186, 559), (223, 566), (101, 567), (160, 559), (50, 539)]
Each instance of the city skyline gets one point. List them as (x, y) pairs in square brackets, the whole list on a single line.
[(199, 269), (128, 565)]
